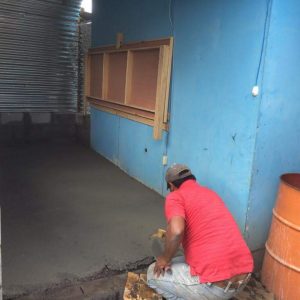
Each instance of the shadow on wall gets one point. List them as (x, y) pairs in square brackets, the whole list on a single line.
[(16, 128)]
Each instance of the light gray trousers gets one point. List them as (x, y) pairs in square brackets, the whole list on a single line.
[(181, 285)]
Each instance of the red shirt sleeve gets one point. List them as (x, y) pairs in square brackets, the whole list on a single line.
[(174, 206)]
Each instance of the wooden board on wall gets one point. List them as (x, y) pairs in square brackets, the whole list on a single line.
[(121, 107), (136, 78), (144, 78), (96, 65), (160, 93), (167, 96), (117, 77), (131, 46)]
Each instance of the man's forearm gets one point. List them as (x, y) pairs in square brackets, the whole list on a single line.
[(172, 244)]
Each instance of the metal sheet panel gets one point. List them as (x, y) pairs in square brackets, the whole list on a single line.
[(84, 45), (39, 55)]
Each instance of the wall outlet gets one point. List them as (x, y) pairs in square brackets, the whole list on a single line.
[(255, 91), (165, 160)]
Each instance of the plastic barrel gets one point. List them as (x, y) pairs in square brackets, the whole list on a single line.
[(281, 267)]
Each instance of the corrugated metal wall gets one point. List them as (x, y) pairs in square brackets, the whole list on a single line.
[(85, 27), (39, 55)]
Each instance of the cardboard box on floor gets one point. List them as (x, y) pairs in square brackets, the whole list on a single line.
[(137, 289)]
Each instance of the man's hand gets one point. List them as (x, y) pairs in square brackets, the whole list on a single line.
[(174, 235), (161, 266)]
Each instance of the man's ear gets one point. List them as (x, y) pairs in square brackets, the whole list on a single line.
[(172, 187)]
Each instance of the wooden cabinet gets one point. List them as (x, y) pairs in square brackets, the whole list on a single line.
[(132, 81)]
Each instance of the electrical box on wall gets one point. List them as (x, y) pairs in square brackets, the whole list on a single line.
[(165, 160), (255, 91)]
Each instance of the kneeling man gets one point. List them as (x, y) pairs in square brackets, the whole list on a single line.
[(217, 263)]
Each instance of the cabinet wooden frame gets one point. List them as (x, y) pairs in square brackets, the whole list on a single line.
[(131, 81)]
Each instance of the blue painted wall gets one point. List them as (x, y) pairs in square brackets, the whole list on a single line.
[(217, 127), (213, 115), (137, 19), (130, 146), (278, 143), (105, 134), (120, 140)]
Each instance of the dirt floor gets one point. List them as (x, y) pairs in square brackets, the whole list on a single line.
[(69, 215)]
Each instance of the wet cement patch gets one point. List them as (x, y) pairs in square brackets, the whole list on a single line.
[(110, 288), (67, 213)]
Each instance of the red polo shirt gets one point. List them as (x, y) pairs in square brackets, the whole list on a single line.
[(213, 245)]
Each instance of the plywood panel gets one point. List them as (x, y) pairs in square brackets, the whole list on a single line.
[(133, 81), (96, 66), (144, 78), (117, 76), (121, 107), (128, 77), (170, 53), (161, 92)]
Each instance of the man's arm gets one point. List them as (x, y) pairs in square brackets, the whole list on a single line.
[(174, 235)]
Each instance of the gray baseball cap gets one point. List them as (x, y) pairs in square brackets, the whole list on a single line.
[(177, 171)]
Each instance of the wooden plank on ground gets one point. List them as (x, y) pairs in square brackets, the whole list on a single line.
[(137, 289)]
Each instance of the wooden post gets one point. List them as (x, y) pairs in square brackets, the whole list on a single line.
[(128, 84), (119, 40), (160, 92), (170, 52), (105, 76)]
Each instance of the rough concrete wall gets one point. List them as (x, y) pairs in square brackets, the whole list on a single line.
[(85, 28)]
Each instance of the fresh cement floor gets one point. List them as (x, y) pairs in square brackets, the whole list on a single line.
[(67, 213)]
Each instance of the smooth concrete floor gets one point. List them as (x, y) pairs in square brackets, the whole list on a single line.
[(67, 213)]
